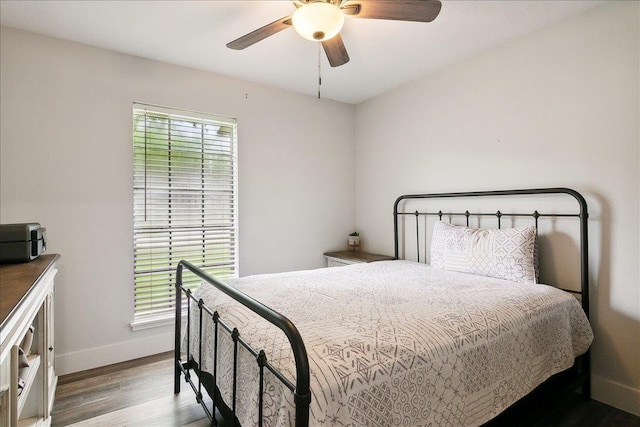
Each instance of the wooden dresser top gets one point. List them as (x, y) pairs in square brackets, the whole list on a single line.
[(16, 280)]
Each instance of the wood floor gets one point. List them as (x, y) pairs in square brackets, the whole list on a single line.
[(139, 393), (135, 393)]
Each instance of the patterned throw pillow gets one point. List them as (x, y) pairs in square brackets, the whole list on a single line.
[(508, 253)]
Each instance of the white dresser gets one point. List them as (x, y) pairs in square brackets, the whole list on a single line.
[(27, 292)]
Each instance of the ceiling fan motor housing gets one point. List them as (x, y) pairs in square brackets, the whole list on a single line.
[(318, 21)]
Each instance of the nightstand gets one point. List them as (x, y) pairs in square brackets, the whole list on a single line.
[(340, 258)]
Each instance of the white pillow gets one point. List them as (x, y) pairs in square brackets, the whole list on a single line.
[(508, 253)]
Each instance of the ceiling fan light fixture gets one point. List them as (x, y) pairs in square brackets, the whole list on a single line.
[(318, 21)]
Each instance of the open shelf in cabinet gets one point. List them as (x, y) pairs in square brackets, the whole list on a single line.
[(29, 375)]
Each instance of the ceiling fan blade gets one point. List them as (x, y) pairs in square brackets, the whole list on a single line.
[(260, 34), (335, 50), (398, 10)]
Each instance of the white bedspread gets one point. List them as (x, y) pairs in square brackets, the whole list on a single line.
[(399, 343)]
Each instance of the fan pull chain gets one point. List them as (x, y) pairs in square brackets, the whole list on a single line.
[(319, 70)]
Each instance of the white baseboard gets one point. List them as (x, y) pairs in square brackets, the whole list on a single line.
[(615, 394), (115, 353)]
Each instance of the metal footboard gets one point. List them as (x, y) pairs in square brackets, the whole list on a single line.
[(301, 392)]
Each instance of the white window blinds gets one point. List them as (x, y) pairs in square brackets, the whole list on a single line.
[(184, 202)]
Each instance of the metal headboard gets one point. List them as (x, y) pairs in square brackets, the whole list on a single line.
[(581, 214)]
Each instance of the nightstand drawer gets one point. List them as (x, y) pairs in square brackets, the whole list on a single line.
[(335, 262)]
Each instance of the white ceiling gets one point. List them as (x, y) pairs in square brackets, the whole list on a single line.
[(384, 54)]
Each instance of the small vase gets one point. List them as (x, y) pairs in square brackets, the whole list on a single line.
[(353, 242)]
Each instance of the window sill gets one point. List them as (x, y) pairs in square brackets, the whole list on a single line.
[(152, 322)]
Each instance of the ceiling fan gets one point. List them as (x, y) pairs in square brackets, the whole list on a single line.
[(322, 20)]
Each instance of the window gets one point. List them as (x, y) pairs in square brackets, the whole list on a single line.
[(184, 203)]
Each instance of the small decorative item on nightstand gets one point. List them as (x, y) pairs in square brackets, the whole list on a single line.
[(353, 241)]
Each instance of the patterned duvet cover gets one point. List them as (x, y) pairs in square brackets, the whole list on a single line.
[(397, 343)]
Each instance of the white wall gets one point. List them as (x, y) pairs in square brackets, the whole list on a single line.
[(559, 107), (66, 160)]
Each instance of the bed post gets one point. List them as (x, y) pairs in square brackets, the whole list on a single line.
[(178, 325), (584, 272)]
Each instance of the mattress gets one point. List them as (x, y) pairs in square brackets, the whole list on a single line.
[(396, 343)]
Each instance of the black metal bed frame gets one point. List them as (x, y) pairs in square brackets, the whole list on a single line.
[(301, 389)]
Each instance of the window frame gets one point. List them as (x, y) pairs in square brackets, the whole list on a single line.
[(216, 215)]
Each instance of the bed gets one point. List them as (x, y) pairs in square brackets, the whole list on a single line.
[(452, 337)]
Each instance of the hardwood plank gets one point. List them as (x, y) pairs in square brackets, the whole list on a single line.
[(104, 390), (174, 410), (116, 367)]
